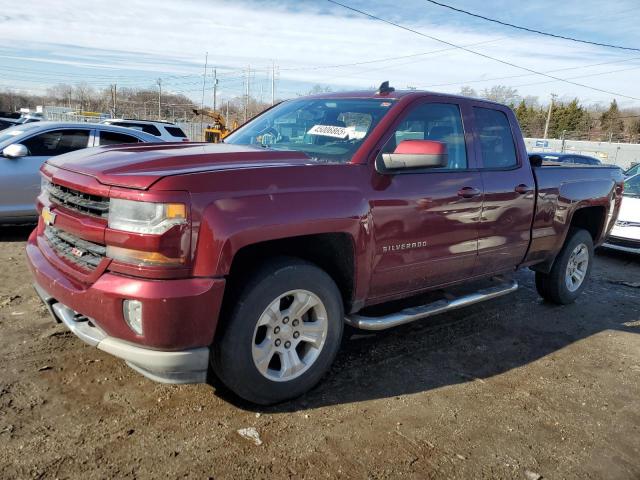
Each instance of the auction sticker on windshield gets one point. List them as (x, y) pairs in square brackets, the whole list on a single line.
[(329, 131)]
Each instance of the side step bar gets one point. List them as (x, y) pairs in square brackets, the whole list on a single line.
[(440, 306)]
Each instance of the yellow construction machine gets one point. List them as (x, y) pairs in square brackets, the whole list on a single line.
[(217, 130)]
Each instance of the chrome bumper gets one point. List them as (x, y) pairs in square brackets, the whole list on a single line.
[(186, 366)]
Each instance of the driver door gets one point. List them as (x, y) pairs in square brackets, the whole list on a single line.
[(426, 221)]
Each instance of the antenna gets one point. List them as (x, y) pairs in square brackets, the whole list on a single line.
[(385, 88)]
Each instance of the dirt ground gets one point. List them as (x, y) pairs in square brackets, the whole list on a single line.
[(513, 388)]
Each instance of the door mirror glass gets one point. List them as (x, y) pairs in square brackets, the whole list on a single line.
[(417, 154), (16, 150)]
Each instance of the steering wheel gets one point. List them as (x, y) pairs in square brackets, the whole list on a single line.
[(269, 131)]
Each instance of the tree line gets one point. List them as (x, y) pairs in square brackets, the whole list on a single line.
[(139, 103)]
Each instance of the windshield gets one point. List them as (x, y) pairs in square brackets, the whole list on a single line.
[(632, 186), (328, 130), (10, 133)]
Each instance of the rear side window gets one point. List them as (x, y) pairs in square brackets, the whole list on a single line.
[(56, 142), (151, 129), (115, 138), (496, 139), (175, 132), (588, 161)]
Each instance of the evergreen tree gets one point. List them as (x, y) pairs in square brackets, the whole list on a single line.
[(567, 119), (610, 121)]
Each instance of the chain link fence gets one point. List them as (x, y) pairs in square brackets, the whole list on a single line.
[(193, 130)]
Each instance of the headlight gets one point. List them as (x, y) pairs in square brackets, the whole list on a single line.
[(145, 217)]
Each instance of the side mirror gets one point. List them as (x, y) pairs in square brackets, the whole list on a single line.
[(535, 160), (417, 154), (16, 150)]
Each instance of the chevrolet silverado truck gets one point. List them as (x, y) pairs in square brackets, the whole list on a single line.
[(247, 259)]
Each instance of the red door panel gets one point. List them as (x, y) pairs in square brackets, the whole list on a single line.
[(427, 234)]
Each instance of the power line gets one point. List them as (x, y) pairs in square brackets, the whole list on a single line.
[(581, 76), (386, 59), (493, 79), (531, 30), (489, 57)]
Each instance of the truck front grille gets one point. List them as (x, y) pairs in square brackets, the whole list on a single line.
[(82, 202), (80, 252)]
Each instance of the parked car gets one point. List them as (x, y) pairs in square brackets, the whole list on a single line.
[(6, 123), (25, 147), (248, 257), (167, 131), (625, 235), (567, 158), (634, 170), (29, 118)]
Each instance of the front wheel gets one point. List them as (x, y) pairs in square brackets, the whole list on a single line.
[(282, 335), (570, 271)]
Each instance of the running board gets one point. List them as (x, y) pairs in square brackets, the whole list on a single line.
[(440, 306)]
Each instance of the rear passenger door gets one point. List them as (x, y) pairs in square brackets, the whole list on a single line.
[(509, 190)]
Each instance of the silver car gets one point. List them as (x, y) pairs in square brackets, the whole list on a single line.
[(26, 147)]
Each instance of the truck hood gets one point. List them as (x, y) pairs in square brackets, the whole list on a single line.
[(141, 165)]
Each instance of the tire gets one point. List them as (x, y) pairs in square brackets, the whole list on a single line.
[(259, 329), (554, 286)]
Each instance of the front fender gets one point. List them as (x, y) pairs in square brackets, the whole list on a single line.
[(229, 224)]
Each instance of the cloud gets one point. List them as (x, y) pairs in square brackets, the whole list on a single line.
[(135, 42)]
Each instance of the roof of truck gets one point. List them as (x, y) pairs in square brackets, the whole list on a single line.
[(395, 95)]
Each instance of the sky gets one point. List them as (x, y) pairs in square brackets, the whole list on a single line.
[(133, 43)]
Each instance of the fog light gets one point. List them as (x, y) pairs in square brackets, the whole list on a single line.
[(132, 310)]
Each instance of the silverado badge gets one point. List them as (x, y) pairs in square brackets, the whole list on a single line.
[(48, 216)]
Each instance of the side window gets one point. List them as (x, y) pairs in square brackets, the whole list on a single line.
[(151, 129), (57, 142), (441, 122), (496, 139), (175, 132), (115, 138)]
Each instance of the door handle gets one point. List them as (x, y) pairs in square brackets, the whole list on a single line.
[(522, 189), (468, 192)]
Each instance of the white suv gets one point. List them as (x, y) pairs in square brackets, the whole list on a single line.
[(167, 131)]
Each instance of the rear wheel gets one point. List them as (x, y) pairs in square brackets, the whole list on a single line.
[(570, 271), (283, 333)]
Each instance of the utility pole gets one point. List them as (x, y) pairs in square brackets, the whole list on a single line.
[(114, 96), (159, 98), (546, 125), (215, 89), (248, 92), (204, 82), (273, 83), (227, 114)]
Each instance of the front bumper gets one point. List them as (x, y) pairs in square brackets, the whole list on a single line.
[(179, 317), (186, 366)]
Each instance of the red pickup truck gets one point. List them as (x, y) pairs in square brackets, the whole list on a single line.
[(248, 258)]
